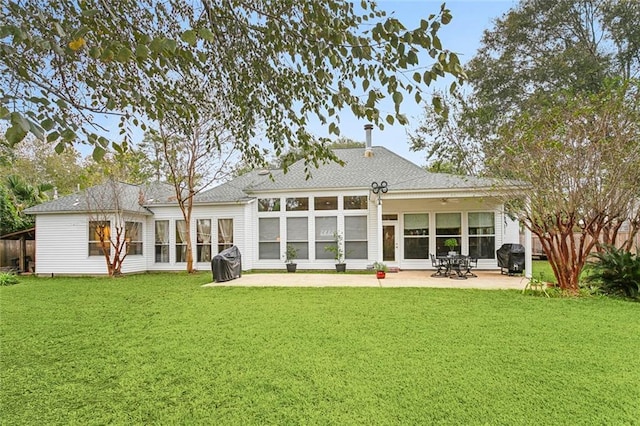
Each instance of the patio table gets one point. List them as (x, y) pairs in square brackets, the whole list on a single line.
[(456, 266)]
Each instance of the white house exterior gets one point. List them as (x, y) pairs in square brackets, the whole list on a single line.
[(262, 212)]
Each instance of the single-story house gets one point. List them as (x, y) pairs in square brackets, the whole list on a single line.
[(383, 206)]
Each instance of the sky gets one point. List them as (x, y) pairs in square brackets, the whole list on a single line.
[(462, 36)]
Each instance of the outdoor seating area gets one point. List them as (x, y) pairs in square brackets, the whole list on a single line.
[(459, 267)]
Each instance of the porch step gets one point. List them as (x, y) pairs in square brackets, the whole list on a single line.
[(393, 269)]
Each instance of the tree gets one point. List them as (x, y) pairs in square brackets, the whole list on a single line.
[(542, 46), (271, 65), (10, 219), (194, 161), (574, 167), (538, 48), (36, 162), (447, 138), (113, 232)]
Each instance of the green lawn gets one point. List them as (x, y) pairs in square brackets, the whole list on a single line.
[(160, 349)]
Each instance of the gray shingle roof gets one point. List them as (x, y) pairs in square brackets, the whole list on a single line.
[(109, 196), (358, 172)]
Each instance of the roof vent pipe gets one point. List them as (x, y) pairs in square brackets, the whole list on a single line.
[(368, 152)]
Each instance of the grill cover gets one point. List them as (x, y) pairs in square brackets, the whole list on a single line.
[(511, 258), (227, 265)]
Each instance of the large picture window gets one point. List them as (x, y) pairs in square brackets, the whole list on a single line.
[(181, 241), (448, 225), (416, 236), (355, 237), (203, 235), (225, 234), (99, 230), (269, 238), (482, 235), (133, 237), (298, 235), (162, 241), (326, 228)]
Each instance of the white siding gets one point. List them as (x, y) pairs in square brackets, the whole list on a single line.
[(62, 247)]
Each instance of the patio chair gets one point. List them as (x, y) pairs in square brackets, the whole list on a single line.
[(471, 262), (441, 267)]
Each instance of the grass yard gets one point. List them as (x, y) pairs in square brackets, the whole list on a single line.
[(160, 349)]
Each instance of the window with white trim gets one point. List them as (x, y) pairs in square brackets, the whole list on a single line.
[(326, 229), (448, 225), (416, 236), (482, 235), (298, 236), (162, 241), (99, 234), (225, 234), (355, 237), (269, 238), (133, 237), (203, 240), (181, 241)]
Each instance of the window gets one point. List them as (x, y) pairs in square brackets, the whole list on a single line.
[(355, 237), (448, 225), (326, 228), (99, 234), (416, 236), (181, 241), (133, 237), (269, 238), (268, 204), (162, 241), (389, 217), (298, 235), (225, 234), (297, 204), (203, 236), (355, 202), (482, 235), (325, 203)]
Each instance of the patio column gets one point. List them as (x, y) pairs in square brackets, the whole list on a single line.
[(379, 246), (528, 258)]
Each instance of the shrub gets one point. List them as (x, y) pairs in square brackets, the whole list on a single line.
[(615, 271), (8, 278)]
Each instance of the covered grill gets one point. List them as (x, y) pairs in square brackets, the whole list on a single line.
[(227, 265), (511, 258)]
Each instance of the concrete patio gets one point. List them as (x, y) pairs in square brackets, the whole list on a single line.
[(486, 280)]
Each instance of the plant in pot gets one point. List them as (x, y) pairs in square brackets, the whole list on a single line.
[(381, 269), (291, 255), (452, 243), (338, 252)]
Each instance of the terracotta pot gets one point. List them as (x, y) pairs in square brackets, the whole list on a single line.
[(380, 274)]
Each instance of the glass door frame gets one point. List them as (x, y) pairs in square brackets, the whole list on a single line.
[(396, 251)]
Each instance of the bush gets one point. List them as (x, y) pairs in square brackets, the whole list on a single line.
[(8, 278), (615, 272)]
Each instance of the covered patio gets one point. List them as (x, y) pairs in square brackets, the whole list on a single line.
[(486, 280)]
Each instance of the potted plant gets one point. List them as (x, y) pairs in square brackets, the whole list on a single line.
[(452, 243), (381, 269), (338, 252), (290, 256)]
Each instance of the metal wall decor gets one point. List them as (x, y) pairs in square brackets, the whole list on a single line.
[(382, 188)]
